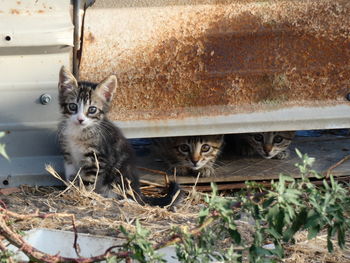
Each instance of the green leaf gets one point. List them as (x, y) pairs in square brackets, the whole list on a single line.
[(268, 202), (3, 151), (274, 233), (204, 212), (278, 250), (235, 235), (300, 155), (329, 240), (313, 219), (297, 224), (313, 231), (341, 236), (260, 251)]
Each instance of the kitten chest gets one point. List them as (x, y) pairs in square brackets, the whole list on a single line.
[(76, 146)]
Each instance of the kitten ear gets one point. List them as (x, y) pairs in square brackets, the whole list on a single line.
[(218, 137), (67, 81), (107, 88)]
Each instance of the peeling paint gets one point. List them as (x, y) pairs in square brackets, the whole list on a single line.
[(14, 11)]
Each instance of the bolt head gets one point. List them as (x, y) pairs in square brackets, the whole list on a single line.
[(45, 99)]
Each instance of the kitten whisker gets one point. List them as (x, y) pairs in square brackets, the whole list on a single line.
[(85, 133), (185, 154)]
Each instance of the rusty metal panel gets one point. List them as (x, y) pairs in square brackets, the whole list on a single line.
[(241, 65)]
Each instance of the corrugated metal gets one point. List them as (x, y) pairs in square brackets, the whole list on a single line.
[(184, 66), (36, 39)]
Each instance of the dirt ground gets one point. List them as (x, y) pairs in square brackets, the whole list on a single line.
[(101, 216)]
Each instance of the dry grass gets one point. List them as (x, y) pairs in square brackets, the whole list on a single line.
[(103, 216), (315, 251), (94, 213)]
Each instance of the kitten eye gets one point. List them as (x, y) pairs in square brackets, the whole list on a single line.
[(92, 110), (205, 148), (184, 148), (72, 107), (277, 139), (258, 137)]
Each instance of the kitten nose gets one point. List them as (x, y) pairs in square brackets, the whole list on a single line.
[(194, 162), (80, 121), (267, 148)]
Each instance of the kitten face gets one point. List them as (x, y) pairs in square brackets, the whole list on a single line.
[(193, 152), (270, 144), (84, 104)]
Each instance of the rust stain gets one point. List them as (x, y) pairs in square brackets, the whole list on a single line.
[(224, 59), (14, 11), (18, 2), (89, 37), (40, 11)]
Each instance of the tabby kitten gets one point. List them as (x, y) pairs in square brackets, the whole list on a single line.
[(190, 155), (86, 132), (266, 144)]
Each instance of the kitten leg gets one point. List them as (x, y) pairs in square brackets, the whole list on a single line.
[(91, 169), (69, 171), (207, 171), (182, 171), (282, 155), (105, 190)]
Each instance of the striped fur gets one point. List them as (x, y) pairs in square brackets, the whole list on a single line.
[(267, 144), (86, 135), (190, 155)]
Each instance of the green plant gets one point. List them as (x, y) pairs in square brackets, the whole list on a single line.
[(203, 245), (6, 256), (140, 247), (278, 214), (2, 147), (298, 204)]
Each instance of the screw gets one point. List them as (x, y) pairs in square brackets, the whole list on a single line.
[(45, 99)]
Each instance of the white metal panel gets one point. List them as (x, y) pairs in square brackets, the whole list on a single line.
[(28, 76), (35, 23), (36, 39), (304, 118)]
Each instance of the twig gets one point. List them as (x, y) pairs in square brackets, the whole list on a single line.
[(166, 179), (97, 172), (75, 244), (150, 183), (152, 171), (174, 174), (176, 238), (69, 184), (330, 169), (123, 185), (35, 214), (2, 203)]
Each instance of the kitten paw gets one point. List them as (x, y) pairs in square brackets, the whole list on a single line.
[(282, 155), (206, 171), (182, 171)]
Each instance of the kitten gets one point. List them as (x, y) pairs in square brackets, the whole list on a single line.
[(85, 131), (266, 144), (190, 155)]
